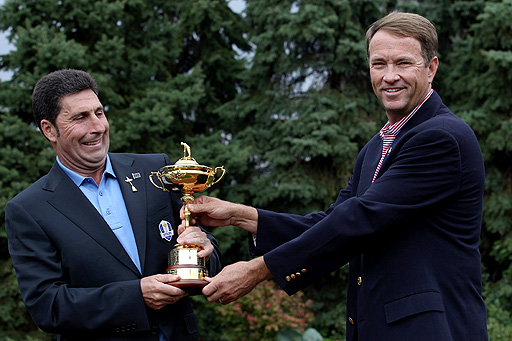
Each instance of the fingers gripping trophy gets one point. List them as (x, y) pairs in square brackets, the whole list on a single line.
[(188, 177)]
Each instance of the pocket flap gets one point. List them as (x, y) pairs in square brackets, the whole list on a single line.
[(412, 305), (191, 323)]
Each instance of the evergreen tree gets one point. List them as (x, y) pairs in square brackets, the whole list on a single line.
[(306, 102)]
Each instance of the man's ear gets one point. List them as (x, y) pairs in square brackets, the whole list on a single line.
[(432, 68), (49, 130)]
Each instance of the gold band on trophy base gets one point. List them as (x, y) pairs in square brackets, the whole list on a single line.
[(183, 262), (188, 177)]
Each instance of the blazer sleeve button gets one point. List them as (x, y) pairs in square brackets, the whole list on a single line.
[(288, 278)]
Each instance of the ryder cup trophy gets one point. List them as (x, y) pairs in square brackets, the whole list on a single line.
[(188, 177)]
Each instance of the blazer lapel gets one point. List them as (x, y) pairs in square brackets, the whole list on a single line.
[(134, 197), (427, 111), (72, 203), (369, 165)]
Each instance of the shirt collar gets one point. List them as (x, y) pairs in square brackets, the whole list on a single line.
[(394, 129), (78, 179)]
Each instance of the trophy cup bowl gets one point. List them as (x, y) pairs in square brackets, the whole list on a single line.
[(187, 177)]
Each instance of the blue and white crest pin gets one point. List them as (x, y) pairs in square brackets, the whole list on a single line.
[(166, 231)]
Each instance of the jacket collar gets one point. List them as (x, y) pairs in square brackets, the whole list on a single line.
[(424, 113), (373, 149), (70, 201)]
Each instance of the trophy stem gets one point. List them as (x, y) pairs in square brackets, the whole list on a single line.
[(187, 199), (187, 217)]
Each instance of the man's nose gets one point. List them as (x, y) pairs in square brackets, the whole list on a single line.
[(98, 124), (391, 74)]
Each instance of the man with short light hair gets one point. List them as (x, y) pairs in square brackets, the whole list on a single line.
[(408, 222)]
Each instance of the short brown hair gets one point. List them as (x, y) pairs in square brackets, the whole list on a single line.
[(407, 25)]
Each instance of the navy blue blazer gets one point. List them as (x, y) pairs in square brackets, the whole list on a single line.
[(411, 237), (75, 277)]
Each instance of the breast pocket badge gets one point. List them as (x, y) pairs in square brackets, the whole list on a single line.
[(166, 231)]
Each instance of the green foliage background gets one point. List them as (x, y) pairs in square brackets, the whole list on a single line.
[(279, 95)]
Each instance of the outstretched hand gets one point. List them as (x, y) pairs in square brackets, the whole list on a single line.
[(208, 211), (214, 212), (236, 280)]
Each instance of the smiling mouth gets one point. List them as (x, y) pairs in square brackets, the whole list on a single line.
[(392, 90), (92, 143)]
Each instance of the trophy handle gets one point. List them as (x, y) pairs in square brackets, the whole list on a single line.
[(151, 179), (222, 175)]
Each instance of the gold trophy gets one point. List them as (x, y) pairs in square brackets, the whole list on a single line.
[(189, 177)]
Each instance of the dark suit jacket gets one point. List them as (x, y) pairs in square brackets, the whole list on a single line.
[(75, 277), (411, 237)]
